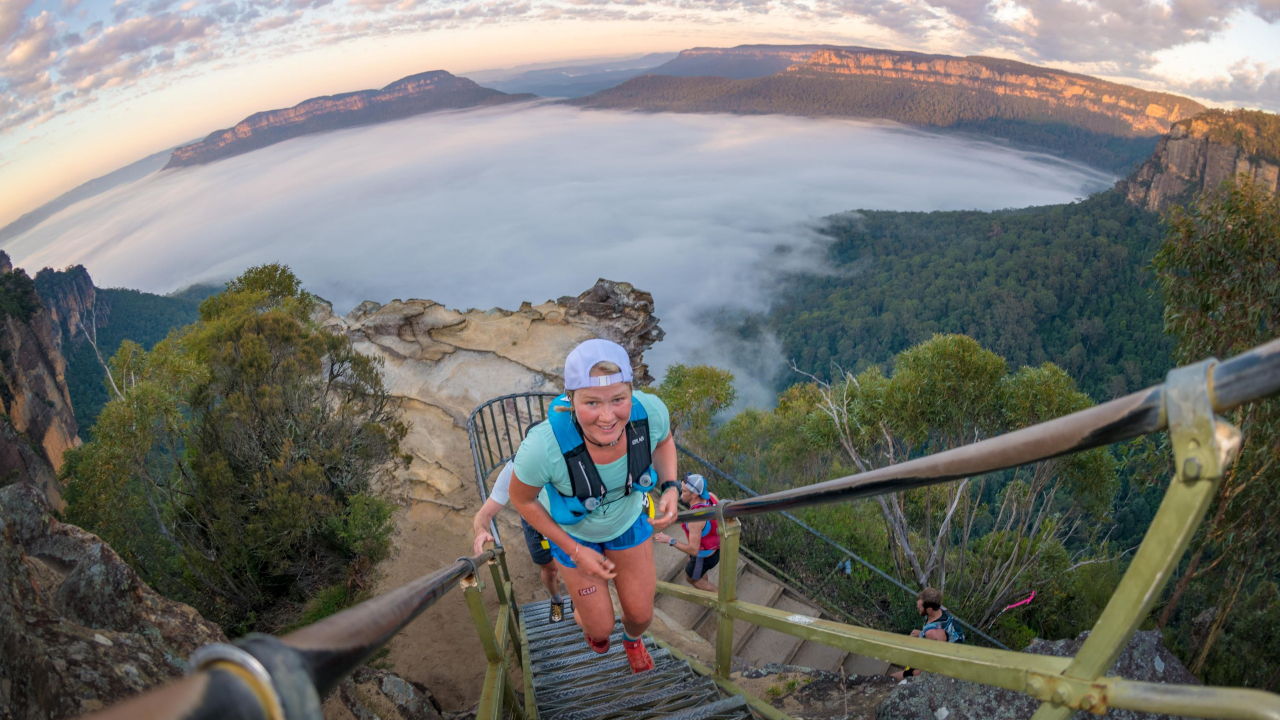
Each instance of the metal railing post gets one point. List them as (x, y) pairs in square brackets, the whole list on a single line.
[(729, 533), (506, 603), (490, 706), (1203, 446)]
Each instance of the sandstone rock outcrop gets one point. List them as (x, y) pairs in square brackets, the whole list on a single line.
[(1144, 658), (78, 628), (37, 424), (1142, 112), (1199, 154), (413, 95), (442, 363), (73, 304)]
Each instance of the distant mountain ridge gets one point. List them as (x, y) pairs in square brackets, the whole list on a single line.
[(413, 95), (742, 62), (574, 80)]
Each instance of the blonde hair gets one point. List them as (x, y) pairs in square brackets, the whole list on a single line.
[(606, 368)]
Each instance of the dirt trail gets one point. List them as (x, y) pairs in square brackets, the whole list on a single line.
[(440, 649)]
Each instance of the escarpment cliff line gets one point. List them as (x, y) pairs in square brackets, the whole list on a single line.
[(413, 95), (1109, 126), (918, 88), (1199, 153), (1142, 112)]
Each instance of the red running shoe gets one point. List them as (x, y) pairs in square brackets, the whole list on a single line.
[(600, 646), (638, 656)]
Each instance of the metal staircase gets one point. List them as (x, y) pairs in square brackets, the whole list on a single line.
[(572, 682)]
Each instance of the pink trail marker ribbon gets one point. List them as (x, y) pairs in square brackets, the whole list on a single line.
[(1022, 602)]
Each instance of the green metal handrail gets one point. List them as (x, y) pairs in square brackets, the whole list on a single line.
[(261, 677), (1203, 445)]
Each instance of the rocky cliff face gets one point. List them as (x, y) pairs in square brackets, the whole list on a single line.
[(37, 424), (1141, 111), (413, 95), (73, 304), (1203, 151), (937, 696), (78, 628)]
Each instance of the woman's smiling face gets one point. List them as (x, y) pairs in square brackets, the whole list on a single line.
[(603, 411)]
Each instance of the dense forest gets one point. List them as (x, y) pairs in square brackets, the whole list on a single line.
[(142, 317), (1067, 284), (1078, 134), (1070, 525)]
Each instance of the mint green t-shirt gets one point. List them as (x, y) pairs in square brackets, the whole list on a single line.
[(539, 462)]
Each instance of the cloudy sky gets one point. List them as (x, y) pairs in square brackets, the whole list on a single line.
[(87, 86)]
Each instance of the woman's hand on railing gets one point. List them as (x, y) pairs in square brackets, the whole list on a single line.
[(668, 506), (593, 563), (482, 537)]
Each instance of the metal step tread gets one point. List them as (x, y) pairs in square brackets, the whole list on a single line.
[(733, 707), (580, 654), (687, 695), (573, 682), (612, 686), (570, 642), (593, 674), (537, 615), (567, 628)]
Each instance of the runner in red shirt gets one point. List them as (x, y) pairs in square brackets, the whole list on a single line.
[(702, 539)]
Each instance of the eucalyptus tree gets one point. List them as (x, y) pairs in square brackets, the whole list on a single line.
[(985, 538), (236, 467), (1219, 271)]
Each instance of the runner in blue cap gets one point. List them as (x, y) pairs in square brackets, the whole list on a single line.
[(603, 447)]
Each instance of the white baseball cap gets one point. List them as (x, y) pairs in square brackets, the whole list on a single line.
[(696, 484), (577, 367)]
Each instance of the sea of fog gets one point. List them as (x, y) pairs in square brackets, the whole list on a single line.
[(488, 208)]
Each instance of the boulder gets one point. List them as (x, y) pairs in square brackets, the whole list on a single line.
[(79, 629), (937, 696), (372, 694)]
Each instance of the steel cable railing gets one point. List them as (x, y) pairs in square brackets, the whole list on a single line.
[(823, 537), (1245, 378)]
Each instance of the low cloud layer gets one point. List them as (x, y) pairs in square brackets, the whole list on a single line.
[(490, 208)]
